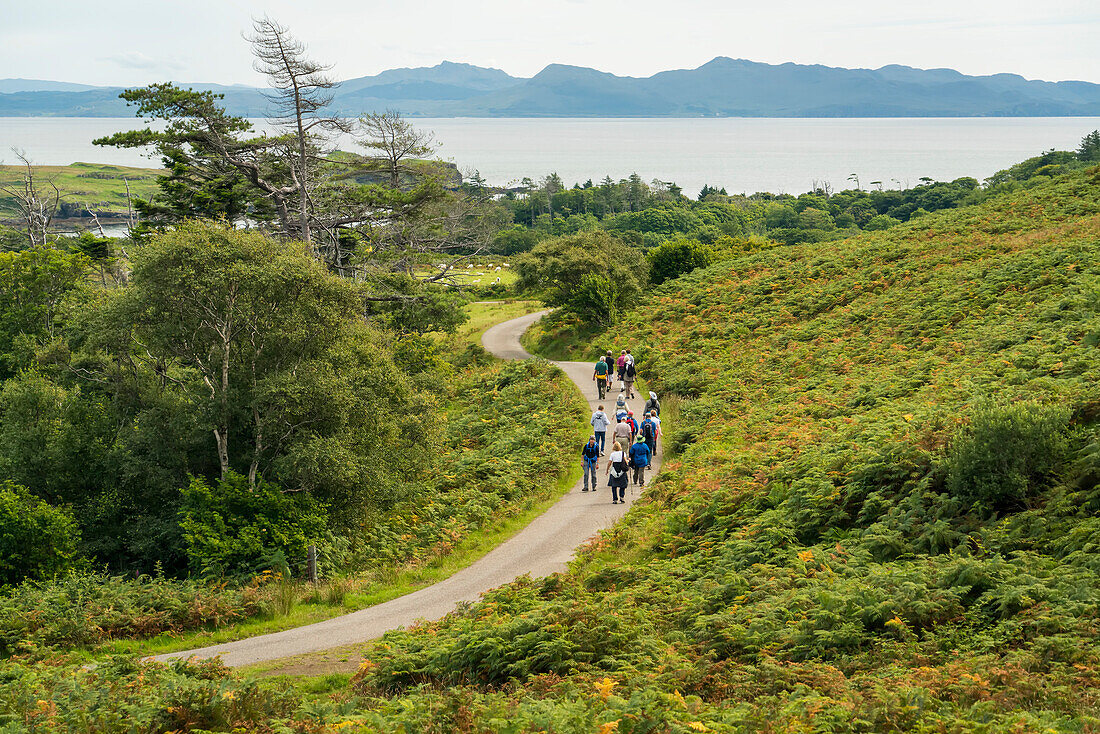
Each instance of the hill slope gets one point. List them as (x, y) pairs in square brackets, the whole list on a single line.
[(820, 556)]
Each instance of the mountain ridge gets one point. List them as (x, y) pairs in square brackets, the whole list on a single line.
[(722, 87)]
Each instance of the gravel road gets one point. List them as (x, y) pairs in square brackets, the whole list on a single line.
[(543, 547)]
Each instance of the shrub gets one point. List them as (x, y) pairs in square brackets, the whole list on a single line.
[(880, 222), (79, 609), (1008, 453), (231, 530), (676, 257), (36, 539)]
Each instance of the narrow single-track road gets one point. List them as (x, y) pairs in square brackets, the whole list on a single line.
[(544, 547)]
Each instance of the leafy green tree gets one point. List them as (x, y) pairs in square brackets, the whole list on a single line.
[(37, 540), (673, 258), (591, 274), (237, 308), (35, 286)]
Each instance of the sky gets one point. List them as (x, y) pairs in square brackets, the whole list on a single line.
[(133, 42)]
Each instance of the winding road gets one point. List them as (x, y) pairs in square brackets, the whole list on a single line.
[(544, 547)]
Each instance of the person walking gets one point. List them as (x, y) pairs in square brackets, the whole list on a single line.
[(634, 425), (622, 432), (599, 374), (620, 365), (639, 459), (649, 433), (652, 404), (630, 373), (621, 408), (618, 471), (600, 422), (610, 361), (591, 456)]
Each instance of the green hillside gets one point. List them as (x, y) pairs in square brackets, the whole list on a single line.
[(834, 549), (98, 185), (880, 511)]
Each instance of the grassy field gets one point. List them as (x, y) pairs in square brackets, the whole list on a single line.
[(98, 185), (478, 275)]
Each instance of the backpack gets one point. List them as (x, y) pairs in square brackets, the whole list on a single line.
[(649, 431), (630, 372)]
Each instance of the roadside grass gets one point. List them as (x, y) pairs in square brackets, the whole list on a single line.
[(365, 592), (98, 185), (486, 314), (565, 338)]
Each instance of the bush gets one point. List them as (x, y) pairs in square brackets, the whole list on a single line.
[(676, 257), (1008, 454), (36, 539), (880, 222), (83, 609), (232, 530)]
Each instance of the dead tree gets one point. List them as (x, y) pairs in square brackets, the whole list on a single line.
[(37, 205), (301, 90)]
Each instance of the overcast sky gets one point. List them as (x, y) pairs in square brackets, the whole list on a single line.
[(127, 42)]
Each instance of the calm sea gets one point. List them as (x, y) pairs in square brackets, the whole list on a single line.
[(741, 154)]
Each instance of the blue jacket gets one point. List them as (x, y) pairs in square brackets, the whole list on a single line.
[(639, 454), (591, 452)]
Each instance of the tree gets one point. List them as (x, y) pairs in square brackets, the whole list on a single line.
[(36, 204), (673, 258), (37, 541), (35, 286), (1089, 150), (398, 143), (213, 170), (300, 92), (237, 308), (591, 274)]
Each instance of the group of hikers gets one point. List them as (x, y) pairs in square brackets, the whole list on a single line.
[(634, 443)]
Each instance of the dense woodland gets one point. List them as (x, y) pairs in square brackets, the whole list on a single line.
[(881, 480)]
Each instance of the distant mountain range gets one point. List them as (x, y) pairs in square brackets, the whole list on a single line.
[(722, 87)]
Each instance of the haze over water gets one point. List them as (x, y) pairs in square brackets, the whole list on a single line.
[(741, 154)]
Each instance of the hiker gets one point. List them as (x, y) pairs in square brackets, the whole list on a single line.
[(610, 361), (620, 364), (617, 468), (622, 432), (591, 455), (629, 375), (634, 425), (599, 374), (652, 404), (650, 429), (600, 422), (621, 408), (639, 459)]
